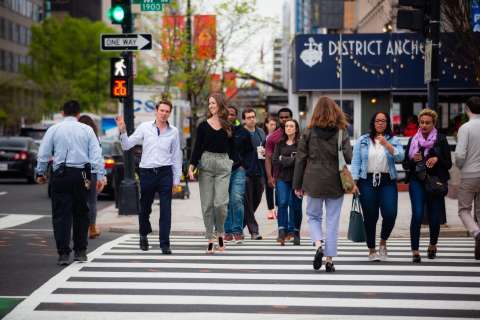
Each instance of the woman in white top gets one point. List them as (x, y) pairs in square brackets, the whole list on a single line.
[(373, 169)]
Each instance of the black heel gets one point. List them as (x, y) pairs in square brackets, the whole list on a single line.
[(432, 253), (221, 246), (416, 258), (210, 248), (317, 260), (329, 267)]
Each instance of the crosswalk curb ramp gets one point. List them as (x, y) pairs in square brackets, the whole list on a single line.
[(261, 280)]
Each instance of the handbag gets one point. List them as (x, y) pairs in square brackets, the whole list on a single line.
[(435, 187), (356, 228), (345, 174)]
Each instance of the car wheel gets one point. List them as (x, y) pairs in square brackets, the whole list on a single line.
[(31, 179)]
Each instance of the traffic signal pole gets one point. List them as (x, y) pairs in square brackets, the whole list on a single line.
[(129, 196), (435, 38)]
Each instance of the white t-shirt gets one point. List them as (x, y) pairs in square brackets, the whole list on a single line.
[(377, 159)]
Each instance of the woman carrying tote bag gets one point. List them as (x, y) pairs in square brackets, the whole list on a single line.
[(317, 176)]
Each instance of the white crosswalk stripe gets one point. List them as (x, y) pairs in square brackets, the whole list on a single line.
[(259, 279)]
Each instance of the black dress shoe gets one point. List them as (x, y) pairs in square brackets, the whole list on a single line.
[(296, 239), (329, 267), (144, 243), (63, 259), (416, 258), (80, 256), (317, 260), (432, 253), (166, 251)]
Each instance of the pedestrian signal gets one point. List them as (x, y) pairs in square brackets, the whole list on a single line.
[(119, 78)]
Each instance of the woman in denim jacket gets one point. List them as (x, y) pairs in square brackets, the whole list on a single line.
[(373, 169)]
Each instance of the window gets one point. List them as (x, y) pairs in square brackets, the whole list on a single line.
[(8, 61), (8, 29), (2, 60)]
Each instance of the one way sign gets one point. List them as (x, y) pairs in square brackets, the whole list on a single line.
[(126, 42)]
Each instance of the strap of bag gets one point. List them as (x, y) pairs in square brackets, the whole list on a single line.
[(356, 204), (341, 158)]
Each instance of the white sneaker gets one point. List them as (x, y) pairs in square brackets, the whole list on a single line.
[(382, 253), (373, 257)]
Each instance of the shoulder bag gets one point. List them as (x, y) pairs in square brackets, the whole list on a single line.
[(345, 174)]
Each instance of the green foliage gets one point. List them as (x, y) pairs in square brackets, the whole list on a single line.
[(145, 74), (68, 63)]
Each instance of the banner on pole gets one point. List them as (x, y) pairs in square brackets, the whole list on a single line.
[(173, 30), (205, 37), (230, 84)]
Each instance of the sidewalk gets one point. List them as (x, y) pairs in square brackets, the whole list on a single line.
[(187, 218)]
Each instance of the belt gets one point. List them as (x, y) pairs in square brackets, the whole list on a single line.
[(156, 170)]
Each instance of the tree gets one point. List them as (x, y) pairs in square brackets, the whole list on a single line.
[(457, 15), (236, 22)]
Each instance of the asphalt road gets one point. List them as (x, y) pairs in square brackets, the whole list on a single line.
[(27, 251)]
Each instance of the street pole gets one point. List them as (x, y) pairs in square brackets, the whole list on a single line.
[(188, 70), (435, 38), (129, 200)]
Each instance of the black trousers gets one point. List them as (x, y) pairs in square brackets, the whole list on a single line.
[(69, 207), (253, 196), (152, 181)]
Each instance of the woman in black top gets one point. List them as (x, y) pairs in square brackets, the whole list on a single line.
[(211, 156), (427, 157), (284, 158)]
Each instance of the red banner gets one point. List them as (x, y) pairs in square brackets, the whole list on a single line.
[(173, 29), (215, 82), (230, 84), (205, 37)]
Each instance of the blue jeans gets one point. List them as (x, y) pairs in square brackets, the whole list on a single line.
[(421, 200), (236, 191), (289, 207), (383, 198)]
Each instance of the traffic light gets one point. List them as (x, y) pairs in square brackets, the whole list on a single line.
[(414, 15), (119, 78), (119, 12)]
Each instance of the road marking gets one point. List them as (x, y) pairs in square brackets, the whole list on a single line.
[(264, 283), (13, 220), (2, 193)]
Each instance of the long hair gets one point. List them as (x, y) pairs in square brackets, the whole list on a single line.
[(388, 129), (327, 114), (297, 131), (222, 111), (89, 122)]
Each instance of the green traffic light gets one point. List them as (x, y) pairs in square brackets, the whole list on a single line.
[(117, 14)]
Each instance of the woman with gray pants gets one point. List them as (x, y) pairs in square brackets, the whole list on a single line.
[(316, 175), (211, 156)]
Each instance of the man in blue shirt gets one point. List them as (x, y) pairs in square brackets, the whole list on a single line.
[(76, 153), (160, 169)]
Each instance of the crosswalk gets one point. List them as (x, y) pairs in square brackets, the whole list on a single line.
[(259, 279)]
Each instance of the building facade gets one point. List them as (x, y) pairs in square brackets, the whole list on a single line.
[(16, 20)]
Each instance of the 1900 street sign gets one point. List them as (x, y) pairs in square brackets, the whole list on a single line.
[(126, 42)]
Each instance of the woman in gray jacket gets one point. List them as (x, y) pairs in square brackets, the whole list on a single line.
[(317, 176)]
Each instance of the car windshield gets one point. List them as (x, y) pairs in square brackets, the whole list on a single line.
[(36, 134), (107, 148), (13, 143)]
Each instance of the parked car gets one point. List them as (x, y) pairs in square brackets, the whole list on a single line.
[(18, 158), (113, 159), (36, 133)]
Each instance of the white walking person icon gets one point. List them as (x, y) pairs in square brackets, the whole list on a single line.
[(120, 68), (313, 54)]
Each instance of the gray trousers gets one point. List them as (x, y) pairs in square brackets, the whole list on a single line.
[(468, 193), (214, 179), (92, 199)]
